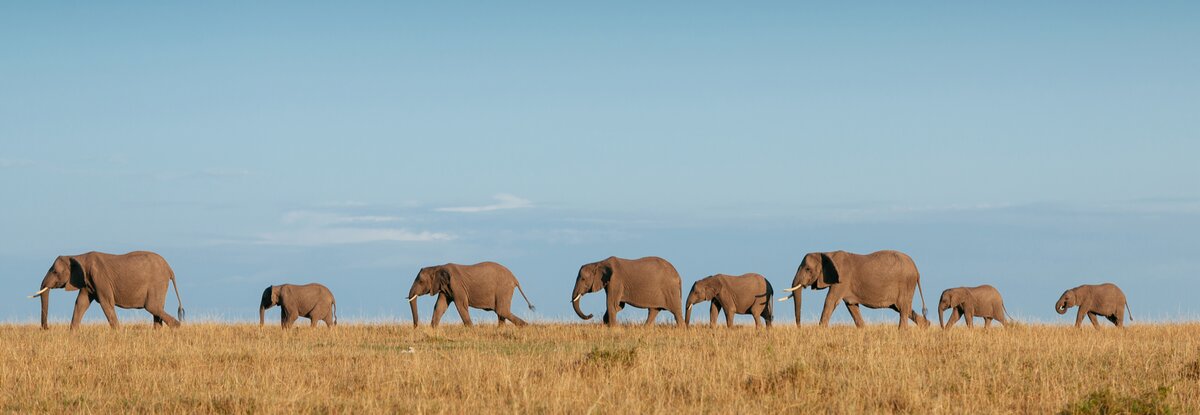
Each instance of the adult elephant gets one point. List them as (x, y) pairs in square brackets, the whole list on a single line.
[(486, 285), (134, 280), (651, 283), (884, 279)]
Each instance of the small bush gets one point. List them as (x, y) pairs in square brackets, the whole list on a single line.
[(785, 378), (1106, 402), (609, 358)]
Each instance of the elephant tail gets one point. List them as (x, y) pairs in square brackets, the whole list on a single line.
[(531, 307), (333, 303), (178, 313), (1129, 311), (922, 292)]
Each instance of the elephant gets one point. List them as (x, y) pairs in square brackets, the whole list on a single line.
[(651, 283), (742, 294), (970, 302), (1096, 300), (486, 285), (883, 279), (134, 280), (313, 301)]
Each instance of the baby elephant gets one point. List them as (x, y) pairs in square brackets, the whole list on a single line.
[(970, 302), (313, 301), (743, 294), (1096, 300)]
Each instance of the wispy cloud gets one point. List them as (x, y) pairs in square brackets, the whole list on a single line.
[(503, 202), (14, 163), (311, 218), (341, 236)]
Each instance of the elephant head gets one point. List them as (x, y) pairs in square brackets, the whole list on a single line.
[(592, 277), (702, 290), (270, 298), (430, 281), (66, 273), (817, 270), (954, 297), (1067, 300)]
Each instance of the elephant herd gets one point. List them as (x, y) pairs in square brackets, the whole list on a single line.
[(884, 279)]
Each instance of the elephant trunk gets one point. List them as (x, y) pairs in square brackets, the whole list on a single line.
[(578, 294), (941, 321), (262, 314), (412, 303), (796, 296), (45, 308), (687, 319)]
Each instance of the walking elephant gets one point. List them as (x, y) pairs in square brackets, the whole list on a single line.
[(134, 280), (651, 283), (1105, 300), (970, 302), (884, 279), (312, 301), (743, 294), (486, 285)]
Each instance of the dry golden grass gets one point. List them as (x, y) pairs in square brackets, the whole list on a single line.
[(216, 368)]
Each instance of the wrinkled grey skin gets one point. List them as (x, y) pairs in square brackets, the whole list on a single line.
[(487, 286), (134, 280), (742, 294), (884, 279), (1106, 300), (970, 302), (312, 301), (651, 283)]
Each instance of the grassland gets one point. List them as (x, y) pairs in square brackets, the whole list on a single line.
[(218, 368)]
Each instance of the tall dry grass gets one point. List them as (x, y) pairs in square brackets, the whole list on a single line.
[(587, 368)]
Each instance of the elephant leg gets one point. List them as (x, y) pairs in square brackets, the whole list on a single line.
[(504, 311), (439, 308), (110, 313), (1079, 317), (1113, 320), (158, 322), (161, 316), (754, 315), (831, 301), (1092, 317), (713, 312), (729, 317), (905, 310), (970, 318), (856, 314), (987, 322), (463, 313), (81, 305), (312, 322), (953, 317), (651, 314), (612, 303), (288, 317)]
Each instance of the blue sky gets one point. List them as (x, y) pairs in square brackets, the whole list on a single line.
[(1031, 146)]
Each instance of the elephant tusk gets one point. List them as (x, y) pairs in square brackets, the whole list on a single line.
[(414, 298), (794, 288), (786, 298), (577, 298), (43, 291)]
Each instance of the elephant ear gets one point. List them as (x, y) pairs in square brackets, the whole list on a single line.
[(450, 279), (725, 294), (832, 266), (80, 274)]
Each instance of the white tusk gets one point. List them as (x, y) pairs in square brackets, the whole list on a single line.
[(794, 288), (414, 298), (785, 298), (577, 298), (689, 307), (43, 291)]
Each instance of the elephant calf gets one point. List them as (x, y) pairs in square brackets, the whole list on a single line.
[(313, 301), (486, 285), (1096, 300), (970, 302), (743, 294)]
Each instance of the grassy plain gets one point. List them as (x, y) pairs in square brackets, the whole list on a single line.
[(226, 368)]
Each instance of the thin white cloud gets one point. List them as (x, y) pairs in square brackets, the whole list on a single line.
[(503, 202), (342, 236), (310, 218), (14, 163)]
